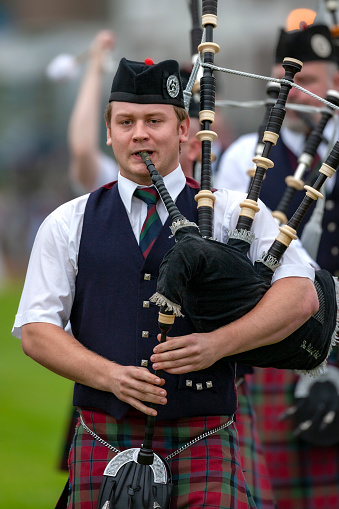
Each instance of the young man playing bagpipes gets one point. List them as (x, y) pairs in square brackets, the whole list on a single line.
[(96, 264)]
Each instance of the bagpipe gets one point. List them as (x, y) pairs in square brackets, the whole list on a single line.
[(217, 283)]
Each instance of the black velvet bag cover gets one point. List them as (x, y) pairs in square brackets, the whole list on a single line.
[(129, 485), (217, 284), (309, 346)]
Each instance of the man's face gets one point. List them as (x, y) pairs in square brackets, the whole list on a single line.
[(145, 127), (318, 78)]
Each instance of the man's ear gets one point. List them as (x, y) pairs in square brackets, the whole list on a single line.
[(184, 130), (108, 136)]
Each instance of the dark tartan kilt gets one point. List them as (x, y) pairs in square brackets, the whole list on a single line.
[(303, 476), (251, 451), (207, 474)]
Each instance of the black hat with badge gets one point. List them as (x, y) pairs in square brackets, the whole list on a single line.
[(310, 43), (148, 83)]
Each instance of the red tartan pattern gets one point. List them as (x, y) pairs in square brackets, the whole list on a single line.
[(302, 476), (207, 474), (251, 451)]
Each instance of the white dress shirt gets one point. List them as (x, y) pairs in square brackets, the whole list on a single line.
[(50, 280)]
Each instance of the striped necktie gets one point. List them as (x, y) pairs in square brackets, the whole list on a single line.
[(152, 225)]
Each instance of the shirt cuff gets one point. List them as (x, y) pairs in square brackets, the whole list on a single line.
[(31, 317), (292, 270)]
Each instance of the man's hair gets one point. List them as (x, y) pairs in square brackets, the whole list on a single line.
[(180, 113)]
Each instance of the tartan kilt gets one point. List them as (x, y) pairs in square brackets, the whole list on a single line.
[(303, 476), (207, 474), (251, 451)]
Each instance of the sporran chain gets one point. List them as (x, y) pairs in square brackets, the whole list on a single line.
[(170, 456)]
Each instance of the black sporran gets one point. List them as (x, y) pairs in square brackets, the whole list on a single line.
[(128, 484)]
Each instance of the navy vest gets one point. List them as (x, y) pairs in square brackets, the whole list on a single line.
[(113, 317), (285, 163)]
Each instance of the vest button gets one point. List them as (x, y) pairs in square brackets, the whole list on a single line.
[(145, 304), (329, 205), (335, 251), (147, 277), (145, 333), (331, 227), (144, 363)]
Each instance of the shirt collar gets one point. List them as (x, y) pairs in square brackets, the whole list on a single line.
[(174, 183), (296, 141), (293, 140)]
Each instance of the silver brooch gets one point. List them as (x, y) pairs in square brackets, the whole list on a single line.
[(173, 86), (321, 46)]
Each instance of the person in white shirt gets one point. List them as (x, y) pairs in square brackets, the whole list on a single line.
[(86, 266), (274, 391)]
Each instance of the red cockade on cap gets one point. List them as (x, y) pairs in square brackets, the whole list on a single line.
[(149, 61)]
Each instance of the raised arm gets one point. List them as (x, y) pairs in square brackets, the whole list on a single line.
[(84, 125)]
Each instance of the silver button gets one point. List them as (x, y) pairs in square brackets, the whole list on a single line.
[(335, 251), (145, 304), (147, 277), (331, 227), (329, 205), (199, 387), (145, 333), (144, 363), (189, 383), (209, 385)]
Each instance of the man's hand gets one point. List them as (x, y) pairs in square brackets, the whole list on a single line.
[(133, 385), (60, 352), (184, 354), (101, 45)]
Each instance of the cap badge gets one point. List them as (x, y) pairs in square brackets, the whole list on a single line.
[(321, 46), (173, 86)]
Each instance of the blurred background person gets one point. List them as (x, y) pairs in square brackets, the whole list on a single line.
[(312, 45), (90, 167), (304, 472)]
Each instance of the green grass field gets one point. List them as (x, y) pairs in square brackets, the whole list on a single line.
[(35, 407)]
